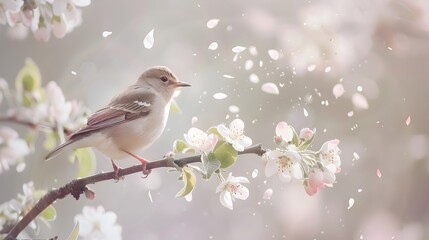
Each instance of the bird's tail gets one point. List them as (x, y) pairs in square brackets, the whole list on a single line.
[(59, 149)]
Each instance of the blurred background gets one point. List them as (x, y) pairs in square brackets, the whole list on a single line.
[(378, 50)]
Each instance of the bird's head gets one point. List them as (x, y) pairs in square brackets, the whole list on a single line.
[(162, 80)]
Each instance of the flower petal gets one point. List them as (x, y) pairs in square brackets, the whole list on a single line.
[(226, 199), (271, 167), (221, 187), (285, 131), (245, 141), (223, 130), (242, 193), (240, 180), (285, 176), (237, 124), (237, 146)]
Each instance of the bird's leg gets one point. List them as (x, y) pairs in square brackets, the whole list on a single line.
[(116, 169), (143, 162)]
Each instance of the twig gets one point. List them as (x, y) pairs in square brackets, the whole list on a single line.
[(15, 120), (79, 186)]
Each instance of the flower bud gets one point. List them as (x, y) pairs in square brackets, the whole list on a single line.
[(278, 140), (89, 193), (306, 134)]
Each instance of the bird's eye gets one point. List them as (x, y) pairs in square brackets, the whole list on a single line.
[(164, 78)]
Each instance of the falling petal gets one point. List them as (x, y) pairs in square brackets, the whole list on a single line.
[(149, 40), (219, 96), (106, 33), (311, 67), (359, 101), (20, 167), (188, 197), (267, 194), (234, 109), (328, 69), (408, 121), (248, 65), (213, 46), (338, 90), (150, 196), (194, 121), (253, 51), (228, 76), (270, 88), (350, 114), (378, 173), (73, 73), (356, 156), (255, 173), (254, 78), (274, 54), (359, 190), (238, 49), (212, 23), (305, 112), (351, 203)]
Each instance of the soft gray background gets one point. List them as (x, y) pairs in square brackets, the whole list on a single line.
[(380, 45)]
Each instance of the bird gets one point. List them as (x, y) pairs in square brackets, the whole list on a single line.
[(133, 119)]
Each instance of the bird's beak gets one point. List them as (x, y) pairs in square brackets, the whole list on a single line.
[(181, 84)]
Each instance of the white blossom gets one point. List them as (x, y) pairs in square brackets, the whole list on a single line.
[(232, 189), (285, 163), (235, 134), (12, 148), (96, 223), (329, 155)]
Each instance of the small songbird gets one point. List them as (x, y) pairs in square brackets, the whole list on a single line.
[(132, 120)]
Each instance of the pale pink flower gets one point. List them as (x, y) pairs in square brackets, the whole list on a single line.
[(200, 141), (329, 155), (318, 179), (58, 109), (284, 131), (306, 134)]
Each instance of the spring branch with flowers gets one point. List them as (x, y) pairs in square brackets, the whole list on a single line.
[(44, 110)]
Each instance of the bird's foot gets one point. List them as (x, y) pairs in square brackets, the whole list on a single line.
[(144, 162), (116, 170), (170, 161)]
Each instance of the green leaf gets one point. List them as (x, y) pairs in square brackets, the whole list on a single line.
[(189, 179), (28, 78), (210, 164), (295, 139), (225, 153), (86, 159), (216, 132), (50, 141), (174, 107), (180, 146), (49, 213), (75, 233)]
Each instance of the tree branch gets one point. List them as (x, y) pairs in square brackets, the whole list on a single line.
[(78, 186), (15, 120)]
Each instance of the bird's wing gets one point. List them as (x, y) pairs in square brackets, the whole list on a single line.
[(132, 104)]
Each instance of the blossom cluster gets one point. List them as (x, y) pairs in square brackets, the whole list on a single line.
[(42, 16), (96, 223), (293, 160), (220, 145), (43, 108), (13, 210)]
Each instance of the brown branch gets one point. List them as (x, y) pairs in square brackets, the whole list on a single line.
[(15, 120), (79, 186)]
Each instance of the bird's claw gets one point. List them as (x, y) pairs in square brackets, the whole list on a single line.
[(145, 171), (116, 170)]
